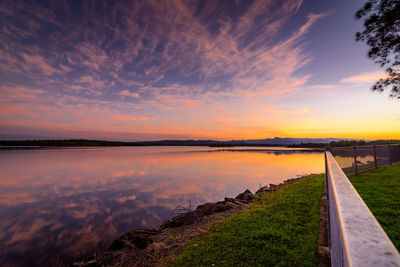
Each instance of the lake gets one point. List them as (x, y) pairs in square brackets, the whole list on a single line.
[(62, 205)]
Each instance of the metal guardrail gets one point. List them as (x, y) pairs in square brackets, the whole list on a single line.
[(355, 236), (357, 159)]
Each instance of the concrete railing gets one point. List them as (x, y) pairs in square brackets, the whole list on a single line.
[(355, 236)]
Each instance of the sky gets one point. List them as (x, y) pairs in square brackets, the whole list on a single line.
[(188, 69)]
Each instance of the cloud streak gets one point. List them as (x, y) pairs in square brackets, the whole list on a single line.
[(163, 61), (364, 78)]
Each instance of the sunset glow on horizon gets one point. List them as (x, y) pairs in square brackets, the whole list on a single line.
[(222, 70)]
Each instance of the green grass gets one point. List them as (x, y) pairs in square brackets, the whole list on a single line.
[(380, 190), (281, 230)]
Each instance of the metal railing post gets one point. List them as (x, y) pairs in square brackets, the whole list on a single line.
[(355, 160), (375, 161)]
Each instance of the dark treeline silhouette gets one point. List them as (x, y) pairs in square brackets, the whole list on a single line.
[(222, 144), (211, 143), (60, 143), (85, 142), (309, 145), (345, 143), (363, 143)]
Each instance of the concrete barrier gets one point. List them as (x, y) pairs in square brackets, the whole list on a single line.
[(355, 236)]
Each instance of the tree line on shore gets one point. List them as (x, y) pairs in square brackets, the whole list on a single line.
[(344, 143), (211, 143)]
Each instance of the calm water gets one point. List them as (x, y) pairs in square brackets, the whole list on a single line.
[(59, 205)]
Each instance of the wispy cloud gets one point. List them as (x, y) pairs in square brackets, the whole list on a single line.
[(323, 86), (164, 61), (155, 45), (364, 77), (127, 93)]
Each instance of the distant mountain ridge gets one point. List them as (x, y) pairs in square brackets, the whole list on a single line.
[(294, 141)]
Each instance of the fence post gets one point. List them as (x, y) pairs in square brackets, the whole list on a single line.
[(390, 160), (375, 161), (355, 160), (327, 148)]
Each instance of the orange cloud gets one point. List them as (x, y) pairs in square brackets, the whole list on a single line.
[(364, 77), (127, 93), (178, 77)]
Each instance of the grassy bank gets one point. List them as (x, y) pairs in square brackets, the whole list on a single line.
[(380, 190), (282, 229)]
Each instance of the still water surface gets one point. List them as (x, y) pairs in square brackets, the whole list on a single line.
[(61, 205)]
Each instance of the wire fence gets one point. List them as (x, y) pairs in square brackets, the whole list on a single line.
[(357, 159)]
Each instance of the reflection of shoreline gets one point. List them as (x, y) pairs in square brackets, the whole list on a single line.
[(267, 151), (185, 227), (282, 151), (69, 202)]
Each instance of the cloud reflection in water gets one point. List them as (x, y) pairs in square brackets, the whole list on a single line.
[(64, 204)]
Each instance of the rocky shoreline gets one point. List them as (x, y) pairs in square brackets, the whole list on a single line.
[(155, 247)]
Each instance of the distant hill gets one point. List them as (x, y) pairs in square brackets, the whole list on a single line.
[(293, 141)]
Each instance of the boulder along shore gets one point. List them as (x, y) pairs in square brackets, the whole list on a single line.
[(156, 247)]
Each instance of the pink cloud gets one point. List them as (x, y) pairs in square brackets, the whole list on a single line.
[(235, 68), (19, 94), (364, 77), (129, 94)]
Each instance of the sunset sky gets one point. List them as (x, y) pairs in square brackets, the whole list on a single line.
[(149, 70)]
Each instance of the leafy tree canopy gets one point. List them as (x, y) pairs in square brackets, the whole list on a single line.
[(382, 35)]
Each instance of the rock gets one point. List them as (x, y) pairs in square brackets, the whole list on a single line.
[(183, 219), (117, 244), (263, 189), (233, 202), (86, 263), (156, 247), (210, 208), (139, 238), (230, 199), (196, 215), (324, 251), (273, 187), (292, 180), (246, 196)]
